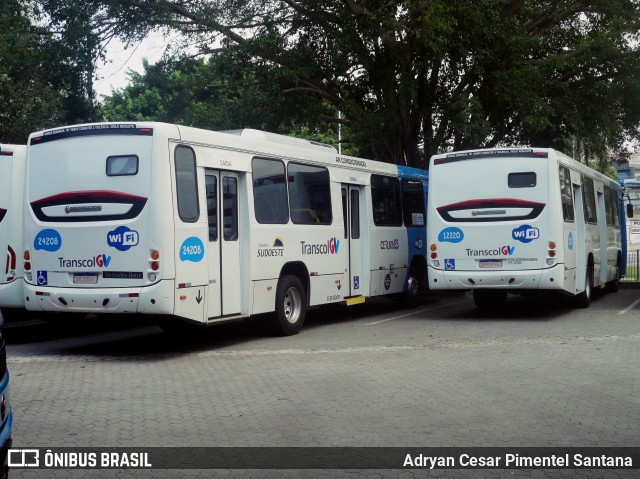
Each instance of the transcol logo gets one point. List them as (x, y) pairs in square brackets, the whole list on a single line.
[(525, 234), (98, 261), (330, 247), (501, 251)]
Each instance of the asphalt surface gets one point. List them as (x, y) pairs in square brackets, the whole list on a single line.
[(538, 374)]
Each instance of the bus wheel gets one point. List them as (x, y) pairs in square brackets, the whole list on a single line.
[(489, 299), (614, 284), (291, 305), (583, 300), (413, 288)]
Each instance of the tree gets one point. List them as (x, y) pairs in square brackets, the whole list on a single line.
[(73, 38), (416, 76), (220, 93), (48, 51), (27, 101)]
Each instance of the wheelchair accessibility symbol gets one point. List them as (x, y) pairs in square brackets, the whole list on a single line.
[(449, 264), (42, 278)]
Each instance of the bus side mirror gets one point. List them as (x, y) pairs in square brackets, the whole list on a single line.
[(629, 210)]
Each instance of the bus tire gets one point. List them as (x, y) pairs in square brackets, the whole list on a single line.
[(413, 290), (583, 300), (291, 305), (489, 299), (614, 284)]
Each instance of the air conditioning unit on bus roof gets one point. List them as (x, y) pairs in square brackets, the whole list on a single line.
[(276, 138)]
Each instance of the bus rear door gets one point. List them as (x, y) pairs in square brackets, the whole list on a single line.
[(353, 258), (223, 251)]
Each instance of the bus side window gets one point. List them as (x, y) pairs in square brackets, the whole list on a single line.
[(186, 185), (344, 211), (608, 206), (413, 202), (565, 194), (230, 208), (211, 186), (309, 194), (385, 196), (615, 207), (355, 214), (269, 192), (589, 196)]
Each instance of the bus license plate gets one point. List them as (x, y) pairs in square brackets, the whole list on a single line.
[(85, 278), (491, 263)]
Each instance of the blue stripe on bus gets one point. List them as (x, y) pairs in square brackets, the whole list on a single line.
[(416, 235)]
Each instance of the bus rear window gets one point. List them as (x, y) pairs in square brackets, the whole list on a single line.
[(124, 165), (522, 180)]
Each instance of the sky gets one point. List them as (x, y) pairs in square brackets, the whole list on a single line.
[(113, 73)]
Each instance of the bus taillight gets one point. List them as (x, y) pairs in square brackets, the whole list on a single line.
[(551, 252), (434, 255), (10, 269), (27, 260), (154, 265)]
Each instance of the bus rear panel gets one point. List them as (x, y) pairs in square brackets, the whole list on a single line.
[(12, 165), (521, 219), (91, 233), (491, 223)]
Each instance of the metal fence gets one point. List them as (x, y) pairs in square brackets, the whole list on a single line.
[(633, 267)]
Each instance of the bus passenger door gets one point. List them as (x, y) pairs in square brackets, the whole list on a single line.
[(352, 237), (223, 253), (603, 269), (579, 242)]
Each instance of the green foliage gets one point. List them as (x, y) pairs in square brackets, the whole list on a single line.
[(415, 77), (218, 94), (411, 77), (48, 51), (27, 100)]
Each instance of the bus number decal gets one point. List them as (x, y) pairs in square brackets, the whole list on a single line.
[(48, 240), (192, 249), (451, 235)]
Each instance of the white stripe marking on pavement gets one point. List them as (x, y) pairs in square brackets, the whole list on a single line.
[(408, 314), (630, 307)]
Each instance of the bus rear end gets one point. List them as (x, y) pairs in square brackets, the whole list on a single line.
[(490, 223), (93, 220), (12, 159)]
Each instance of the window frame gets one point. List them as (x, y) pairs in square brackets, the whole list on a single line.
[(407, 215), (194, 191), (589, 200), (566, 183), (235, 233), (115, 157), (261, 221), (375, 198), (522, 173), (293, 195)]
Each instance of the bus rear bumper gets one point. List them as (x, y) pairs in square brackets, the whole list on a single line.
[(11, 294), (155, 299), (548, 278)]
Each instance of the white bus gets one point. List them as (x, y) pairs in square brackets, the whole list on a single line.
[(211, 226), (12, 167), (512, 220)]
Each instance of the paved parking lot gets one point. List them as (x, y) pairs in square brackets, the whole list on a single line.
[(539, 374)]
